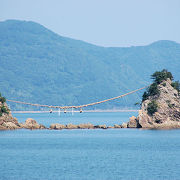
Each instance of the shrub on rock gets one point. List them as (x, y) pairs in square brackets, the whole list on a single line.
[(152, 107)]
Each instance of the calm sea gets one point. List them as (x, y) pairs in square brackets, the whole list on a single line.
[(112, 154)]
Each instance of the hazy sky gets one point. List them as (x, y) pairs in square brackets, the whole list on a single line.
[(101, 22)]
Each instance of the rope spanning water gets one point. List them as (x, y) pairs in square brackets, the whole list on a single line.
[(80, 106)]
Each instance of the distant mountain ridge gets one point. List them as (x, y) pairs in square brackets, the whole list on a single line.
[(42, 67)]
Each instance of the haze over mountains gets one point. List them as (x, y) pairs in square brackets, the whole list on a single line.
[(42, 67)]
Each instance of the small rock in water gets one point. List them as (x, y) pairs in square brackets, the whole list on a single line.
[(57, 126), (124, 125), (117, 126), (71, 126), (42, 126), (31, 124), (101, 126), (110, 127), (133, 123), (86, 126)]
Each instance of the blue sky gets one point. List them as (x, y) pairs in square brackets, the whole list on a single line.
[(101, 22)]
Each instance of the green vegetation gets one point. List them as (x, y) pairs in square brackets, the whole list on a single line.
[(176, 85), (145, 96), (137, 104), (151, 91), (42, 67), (2, 99), (160, 76), (164, 84), (3, 109), (152, 107), (171, 105)]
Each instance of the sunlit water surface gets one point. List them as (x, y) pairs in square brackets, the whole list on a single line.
[(112, 154)]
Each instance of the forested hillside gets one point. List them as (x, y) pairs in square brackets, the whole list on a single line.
[(39, 66)]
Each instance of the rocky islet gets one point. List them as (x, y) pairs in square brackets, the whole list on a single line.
[(160, 109), (167, 114)]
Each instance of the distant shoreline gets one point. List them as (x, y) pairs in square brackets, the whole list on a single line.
[(120, 110)]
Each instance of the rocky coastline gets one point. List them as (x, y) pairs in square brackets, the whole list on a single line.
[(160, 109), (8, 122), (31, 124)]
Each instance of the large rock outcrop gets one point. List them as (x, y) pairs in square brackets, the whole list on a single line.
[(32, 124), (167, 114), (7, 121)]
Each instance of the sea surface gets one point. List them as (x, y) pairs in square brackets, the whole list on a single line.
[(112, 154)]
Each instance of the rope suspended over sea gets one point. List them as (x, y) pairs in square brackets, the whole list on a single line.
[(80, 106)]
